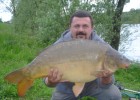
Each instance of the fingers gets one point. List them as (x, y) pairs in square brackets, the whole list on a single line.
[(104, 73), (54, 76)]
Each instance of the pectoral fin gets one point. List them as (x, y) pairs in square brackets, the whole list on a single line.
[(77, 88)]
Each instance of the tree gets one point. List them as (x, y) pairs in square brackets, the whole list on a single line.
[(109, 14), (115, 40), (48, 18), (25, 16)]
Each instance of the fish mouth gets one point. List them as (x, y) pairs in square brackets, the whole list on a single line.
[(127, 65)]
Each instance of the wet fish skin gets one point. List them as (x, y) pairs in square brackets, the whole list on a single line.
[(79, 61)]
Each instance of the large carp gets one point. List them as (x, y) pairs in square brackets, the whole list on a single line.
[(78, 60)]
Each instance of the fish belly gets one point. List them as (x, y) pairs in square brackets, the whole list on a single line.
[(79, 71)]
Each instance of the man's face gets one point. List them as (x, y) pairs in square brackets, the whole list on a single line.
[(81, 27)]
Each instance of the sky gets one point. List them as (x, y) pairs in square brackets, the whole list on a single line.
[(132, 4), (5, 15)]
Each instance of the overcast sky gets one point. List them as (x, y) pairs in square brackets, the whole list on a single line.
[(5, 15)]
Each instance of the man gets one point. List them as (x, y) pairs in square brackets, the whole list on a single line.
[(81, 26)]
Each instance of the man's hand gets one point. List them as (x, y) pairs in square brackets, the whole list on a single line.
[(106, 76), (53, 78)]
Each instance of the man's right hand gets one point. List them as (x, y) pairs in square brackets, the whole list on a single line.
[(54, 77)]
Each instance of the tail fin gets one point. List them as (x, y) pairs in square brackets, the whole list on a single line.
[(19, 77), (15, 76), (23, 86)]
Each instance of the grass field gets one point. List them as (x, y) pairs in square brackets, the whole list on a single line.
[(17, 50)]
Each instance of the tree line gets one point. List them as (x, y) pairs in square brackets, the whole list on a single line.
[(131, 17)]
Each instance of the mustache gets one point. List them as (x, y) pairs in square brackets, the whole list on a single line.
[(81, 33)]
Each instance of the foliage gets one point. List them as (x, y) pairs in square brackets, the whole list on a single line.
[(25, 16), (48, 20), (131, 17)]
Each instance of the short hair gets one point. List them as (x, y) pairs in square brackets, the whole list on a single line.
[(81, 13)]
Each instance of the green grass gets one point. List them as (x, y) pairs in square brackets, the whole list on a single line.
[(129, 78), (17, 50)]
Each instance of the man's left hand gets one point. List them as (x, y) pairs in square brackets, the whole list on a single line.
[(106, 76)]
